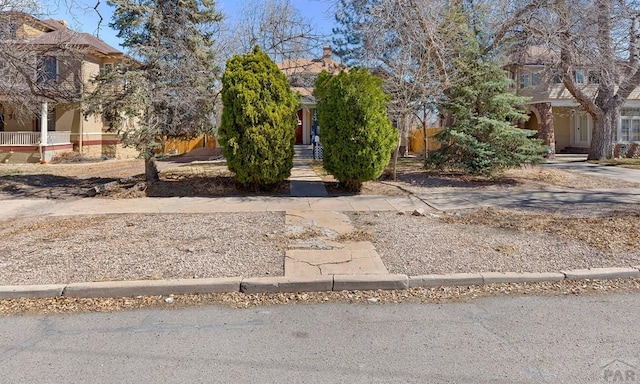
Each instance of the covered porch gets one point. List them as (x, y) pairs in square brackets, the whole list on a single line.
[(40, 144), (307, 121)]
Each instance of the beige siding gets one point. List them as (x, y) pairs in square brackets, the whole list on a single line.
[(26, 31), (90, 68), (13, 125), (562, 127), (65, 118), (93, 124)]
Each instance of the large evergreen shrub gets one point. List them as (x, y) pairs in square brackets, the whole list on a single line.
[(258, 120), (483, 138), (356, 132)]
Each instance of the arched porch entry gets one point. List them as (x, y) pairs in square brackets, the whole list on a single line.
[(541, 120)]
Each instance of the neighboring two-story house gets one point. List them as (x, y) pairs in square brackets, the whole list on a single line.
[(560, 121), (61, 63)]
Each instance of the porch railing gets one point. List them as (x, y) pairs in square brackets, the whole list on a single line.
[(59, 137), (33, 138)]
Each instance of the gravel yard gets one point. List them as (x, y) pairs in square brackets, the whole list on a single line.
[(117, 247), (136, 246), (478, 241)]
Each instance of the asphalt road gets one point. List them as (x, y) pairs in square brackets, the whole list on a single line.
[(495, 340)]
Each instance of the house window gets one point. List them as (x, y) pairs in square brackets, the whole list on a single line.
[(556, 77), (511, 76), (629, 125), (630, 129), (106, 68), (578, 75), (9, 31), (47, 69), (593, 77), (524, 81), (536, 79)]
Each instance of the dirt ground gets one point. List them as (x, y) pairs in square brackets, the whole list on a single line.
[(121, 179), (181, 177), (614, 229)]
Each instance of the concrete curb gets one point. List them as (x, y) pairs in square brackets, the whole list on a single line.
[(601, 273), (286, 284), (524, 277), (446, 280), (151, 287), (369, 282), (306, 284), (31, 291)]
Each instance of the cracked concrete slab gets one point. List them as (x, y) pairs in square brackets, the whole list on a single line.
[(335, 221), (359, 266), (314, 250), (296, 268), (331, 262), (318, 257)]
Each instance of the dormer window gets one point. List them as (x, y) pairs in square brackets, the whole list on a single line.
[(106, 68), (525, 81), (9, 31), (578, 75)]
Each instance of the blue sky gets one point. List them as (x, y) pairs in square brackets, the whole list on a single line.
[(82, 17)]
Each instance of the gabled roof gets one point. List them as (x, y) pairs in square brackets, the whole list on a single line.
[(55, 32), (67, 36), (55, 24), (315, 66), (302, 73), (533, 55)]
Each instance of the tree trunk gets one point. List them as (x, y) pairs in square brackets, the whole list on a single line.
[(602, 138), (426, 139), (151, 172), (395, 159)]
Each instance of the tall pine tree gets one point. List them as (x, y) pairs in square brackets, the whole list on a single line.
[(483, 138), (170, 90)]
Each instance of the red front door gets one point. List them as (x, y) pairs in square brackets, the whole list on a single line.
[(299, 128)]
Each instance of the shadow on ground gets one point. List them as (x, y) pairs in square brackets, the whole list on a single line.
[(47, 186), (208, 187)]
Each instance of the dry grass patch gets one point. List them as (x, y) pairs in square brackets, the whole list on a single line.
[(308, 233), (355, 236), (624, 163), (613, 233)]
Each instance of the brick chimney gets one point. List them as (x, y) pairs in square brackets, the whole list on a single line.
[(326, 55)]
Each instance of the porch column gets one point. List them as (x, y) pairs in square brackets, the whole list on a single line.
[(546, 130), (44, 115)]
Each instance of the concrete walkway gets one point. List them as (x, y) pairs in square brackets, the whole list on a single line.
[(304, 182), (578, 164), (95, 206), (314, 249), (326, 243)]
